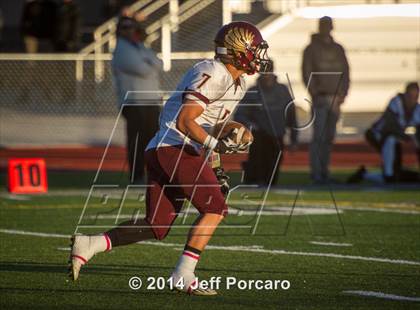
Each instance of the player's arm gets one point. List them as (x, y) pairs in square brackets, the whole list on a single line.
[(188, 126), (186, 121)]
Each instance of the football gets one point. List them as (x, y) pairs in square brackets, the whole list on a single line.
[(239, 133)]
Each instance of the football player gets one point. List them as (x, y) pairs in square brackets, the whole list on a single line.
[(177, 168)]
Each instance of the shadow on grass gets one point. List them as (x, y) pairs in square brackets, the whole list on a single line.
[(84, 290), (61, 268)]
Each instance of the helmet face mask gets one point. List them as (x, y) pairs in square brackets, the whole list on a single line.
[(261, 62), (241, 44)]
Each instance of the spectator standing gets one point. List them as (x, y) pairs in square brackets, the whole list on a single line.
[(126, 13), (325, 71), (263, 109), (1, 26), (136, 68), (37, 24), (113, 7), (67, 27)]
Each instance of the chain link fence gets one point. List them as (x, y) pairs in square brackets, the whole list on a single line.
[(42, 103)]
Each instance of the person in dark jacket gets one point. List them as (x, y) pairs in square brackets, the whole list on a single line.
[(268, 110), (1, 26), (388, 133), (136, 69), (325, 72), (67, 27), (37, 24)]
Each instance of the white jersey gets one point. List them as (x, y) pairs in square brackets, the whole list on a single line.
[(209, 84)]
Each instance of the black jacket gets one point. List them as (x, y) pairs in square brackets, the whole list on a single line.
[(67, 27), (265, 110), (38, 19), (323, 56)]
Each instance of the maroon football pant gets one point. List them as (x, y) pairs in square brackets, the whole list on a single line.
[(175, 174)]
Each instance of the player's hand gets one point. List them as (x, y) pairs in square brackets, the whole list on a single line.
[(223, 179), (226, 146), (243, 147)]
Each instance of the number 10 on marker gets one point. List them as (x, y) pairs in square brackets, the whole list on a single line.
[(27, 176)]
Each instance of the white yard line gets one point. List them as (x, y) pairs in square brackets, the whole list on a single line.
[(332, 255), (274, 205), (64, 249), (386, 210), (278, 211), (15, 197), (272, 211), (30, 233), (381, 295), (330, 243), (393, 207), (249, 249)]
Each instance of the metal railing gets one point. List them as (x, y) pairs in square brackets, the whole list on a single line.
[(105, 35), (185, 11)]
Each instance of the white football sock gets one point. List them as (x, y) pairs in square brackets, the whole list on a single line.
[(100, 243), (187, 262)]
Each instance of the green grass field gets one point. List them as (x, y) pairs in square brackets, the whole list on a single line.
[(372, 245)]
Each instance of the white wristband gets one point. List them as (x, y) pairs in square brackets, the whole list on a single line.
[(210, 142)]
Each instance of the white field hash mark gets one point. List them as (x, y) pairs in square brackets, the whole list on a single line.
[(382, 295), (330, 243), (238, 248)]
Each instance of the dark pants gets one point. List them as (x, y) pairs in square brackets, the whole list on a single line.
[(263, 155), (393, 171), (323, 134), (141, 126)]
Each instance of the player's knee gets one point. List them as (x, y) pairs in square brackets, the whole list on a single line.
[(217, 216), (220, 209), (160, 229), (219, 212), (222, 216), (160, 232)]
